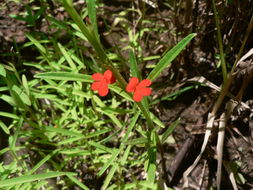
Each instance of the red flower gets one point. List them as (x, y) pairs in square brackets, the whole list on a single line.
[(102, 81), (139, 89)]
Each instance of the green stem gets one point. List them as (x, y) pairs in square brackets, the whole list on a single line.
[(85, 29), (228, 82), (222, 56), (146, 115), (248, 31), (93, 38)]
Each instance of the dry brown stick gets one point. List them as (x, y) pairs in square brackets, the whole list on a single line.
[(181, 160)]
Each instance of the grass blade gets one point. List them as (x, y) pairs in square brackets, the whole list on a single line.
[(110, 161), (19, 96), (109, 176), (41, 48), (31, 178), (44, 160), (9, 115), (169, 57), (120, 92), (101, 147), (169, 130), (151, 170), (4, 127), (65, 76), (2, 71), (67, 57), (63, 131), (131, 126), (77, 182), (133, 65), (92, 14)]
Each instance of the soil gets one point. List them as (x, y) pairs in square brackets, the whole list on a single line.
[(199, 59)]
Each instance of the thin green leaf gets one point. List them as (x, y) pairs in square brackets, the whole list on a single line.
[(101, 147), (149, 185), (75, 152), (20, 95), (65, 76), (170, 129), (114, 119), (169, 57), (109, 162), (121, 92), (73, 179), (133, 65), (69, 140), (131, 126), (43, 51), (67, 57), (78, 61), (2, 71), (4, 88), (40, 163), (123, 159), (97, 133), (63, 131), (39, 13), (25, 84), (16, 134), (7, 99), (17, 17), (173, 95), (4, 127), (102, 110), (59, 24), (109, 176), (9, 115), (31, 178), (36, 65), (92, 14), (151, 170), (156, 120), (36, 43)]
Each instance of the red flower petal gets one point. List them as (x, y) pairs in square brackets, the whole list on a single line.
[(95, 86), (97, 77), (131, 86), (144, 83), (108, 75), (112, 80), (102, 81), (137, 96), (103, 89), (145, 91)]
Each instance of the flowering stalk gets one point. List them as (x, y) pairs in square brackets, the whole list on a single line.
[(139, 88), (106, 63)]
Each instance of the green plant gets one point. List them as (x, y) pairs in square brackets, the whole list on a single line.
[(66, 123), (29, 17)]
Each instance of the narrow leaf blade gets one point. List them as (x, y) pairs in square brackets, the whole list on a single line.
[(31, 178), (169, 57), (65, 76)]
